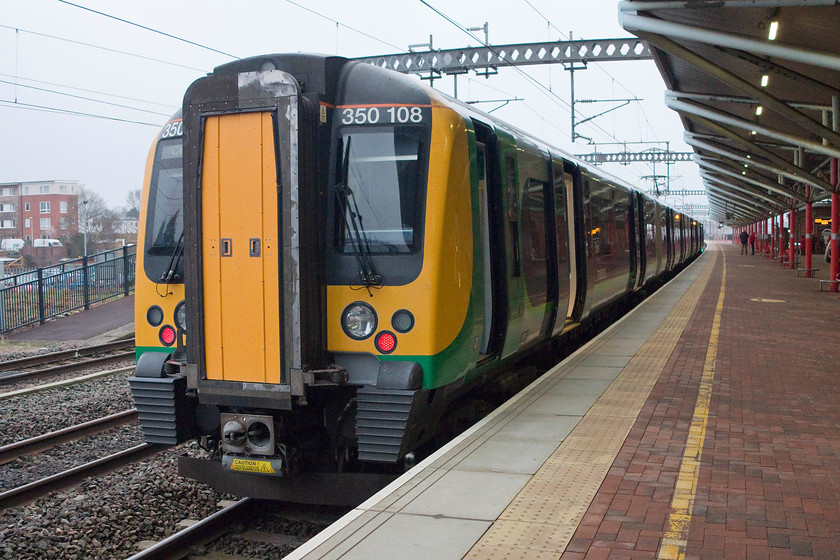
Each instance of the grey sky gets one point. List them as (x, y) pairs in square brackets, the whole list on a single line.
[(109, 155)]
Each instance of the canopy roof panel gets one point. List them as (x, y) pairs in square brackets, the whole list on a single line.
[(756, 110)]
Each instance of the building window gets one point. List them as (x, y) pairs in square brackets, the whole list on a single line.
[(7, 224), (45, 189), (63, 206), (26, 222), (64, 223), (62, 188), (26, 206), (9, 191), (25, 190), (45, 207), (45, 224), (27, 238), (7, 207)]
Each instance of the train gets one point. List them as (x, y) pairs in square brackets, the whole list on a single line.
[(333, 254)]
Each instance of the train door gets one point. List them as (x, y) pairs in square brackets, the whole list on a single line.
[(668, 236), (578, 219), (631, 232), (486, 262), (245, 249), (239, 253), (536, 246), (564, 246), (641, 240), (493, 260)]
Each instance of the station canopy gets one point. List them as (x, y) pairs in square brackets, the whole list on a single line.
[(756, 84)]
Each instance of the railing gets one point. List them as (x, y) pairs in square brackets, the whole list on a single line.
[(35, 296)]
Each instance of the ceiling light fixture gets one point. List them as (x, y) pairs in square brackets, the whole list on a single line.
[(774, 30)]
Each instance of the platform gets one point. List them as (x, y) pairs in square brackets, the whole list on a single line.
[(106, 321), (702, 425)]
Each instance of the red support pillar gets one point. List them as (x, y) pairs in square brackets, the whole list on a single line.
[(764, 240), (835, 224), (772, 237), (809, 232), (792, 248), (835, 200), (782, 244)]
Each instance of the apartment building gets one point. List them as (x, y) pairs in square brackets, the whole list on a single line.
[(39, 209)]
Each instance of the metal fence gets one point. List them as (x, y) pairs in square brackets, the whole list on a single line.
[(35, 296)]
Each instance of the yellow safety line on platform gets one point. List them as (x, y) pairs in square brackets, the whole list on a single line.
[(541, 520), (674, 541)]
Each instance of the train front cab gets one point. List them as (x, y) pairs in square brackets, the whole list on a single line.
[(159, 305)]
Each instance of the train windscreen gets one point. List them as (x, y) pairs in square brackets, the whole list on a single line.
[(381, 202), (164, 220)]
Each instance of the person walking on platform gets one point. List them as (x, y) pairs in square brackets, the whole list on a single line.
[(752, 242), (744, 237)]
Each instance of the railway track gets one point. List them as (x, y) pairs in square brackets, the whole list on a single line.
[(55, 363), (62, 383), (272, 525), (71, 477), (43, 442), (210, 528)]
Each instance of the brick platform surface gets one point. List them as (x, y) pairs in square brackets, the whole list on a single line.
[(768, 485)]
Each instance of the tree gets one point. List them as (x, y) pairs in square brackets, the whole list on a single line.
[(93, 215), (132, 203)]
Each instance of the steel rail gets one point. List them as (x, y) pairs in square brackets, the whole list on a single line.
[(177, 546), (71, 477), (64, 354), (63, 383), (64, 368), (29, 446)]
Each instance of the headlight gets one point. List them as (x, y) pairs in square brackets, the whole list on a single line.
[(181, 315), (358, 320)]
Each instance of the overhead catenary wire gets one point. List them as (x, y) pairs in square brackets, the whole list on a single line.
[(48, 109), (600, 67), (135, 24), (85, 98), (81, 43), (34, 81), (76, 88), (338, 23), (545, 89)]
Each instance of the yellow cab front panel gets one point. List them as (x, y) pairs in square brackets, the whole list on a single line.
[(239, 250)]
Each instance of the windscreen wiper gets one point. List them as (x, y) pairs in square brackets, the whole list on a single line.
[(353, 224), (171, 276)]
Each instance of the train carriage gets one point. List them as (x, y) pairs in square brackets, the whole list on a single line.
[(360, 250)]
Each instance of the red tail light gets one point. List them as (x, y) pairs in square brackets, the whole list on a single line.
[(167, 335), (386, 342)]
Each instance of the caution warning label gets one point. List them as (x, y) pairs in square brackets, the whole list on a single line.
[(250, 465)]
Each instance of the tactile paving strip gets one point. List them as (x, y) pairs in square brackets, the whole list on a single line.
[(542, 519)]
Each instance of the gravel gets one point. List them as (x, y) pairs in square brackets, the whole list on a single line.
[(16, 350), (67, 455), (46, 411), (249, 544), (106, 517)]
